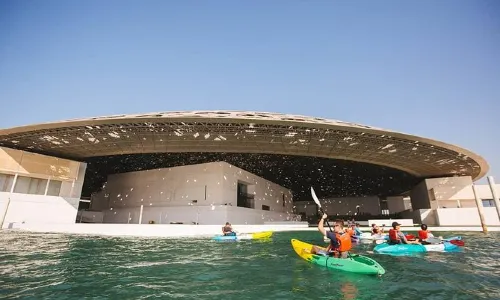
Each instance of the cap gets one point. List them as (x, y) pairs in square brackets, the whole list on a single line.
[(394, 224)]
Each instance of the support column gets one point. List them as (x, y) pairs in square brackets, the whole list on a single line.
[(8, 201), (47, 187), (491, 181), (479, 209), (140, 214)]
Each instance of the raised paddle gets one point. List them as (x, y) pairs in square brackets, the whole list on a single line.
[(315, 198)]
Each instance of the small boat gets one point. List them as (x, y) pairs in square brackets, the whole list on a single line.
[(444, 246), (244, 236), (354, 263)]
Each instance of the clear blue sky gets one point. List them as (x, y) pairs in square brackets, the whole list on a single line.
[(430, 68)]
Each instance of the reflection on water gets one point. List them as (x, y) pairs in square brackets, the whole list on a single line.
[(54, 266)]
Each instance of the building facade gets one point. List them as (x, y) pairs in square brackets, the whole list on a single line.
[(38, 189), (207, 194)]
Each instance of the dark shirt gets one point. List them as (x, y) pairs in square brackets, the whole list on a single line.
[(333, 239)]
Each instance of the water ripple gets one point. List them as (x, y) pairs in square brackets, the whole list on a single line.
[(56, 266)]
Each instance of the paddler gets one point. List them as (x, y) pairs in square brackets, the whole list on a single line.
[(376, 230), (228, 229), (426, 237), (340, 241), (357, 230), (398, 237)]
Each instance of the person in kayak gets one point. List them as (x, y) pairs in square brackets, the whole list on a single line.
[(426, 237), (376, 230), (357, 230), (228, 230), (354, 230), (340, 241), (397, 237)]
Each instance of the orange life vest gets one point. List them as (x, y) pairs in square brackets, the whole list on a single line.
[(344, 240), (422, 234), (350, 231), (393, 235)]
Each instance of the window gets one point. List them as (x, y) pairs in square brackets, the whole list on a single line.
[(265, 207), (488, 203), (6, 181), (283, 197), (54, 188), (28, 185), (244, 199)]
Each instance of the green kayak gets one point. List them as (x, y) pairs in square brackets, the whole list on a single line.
[(355, 263)]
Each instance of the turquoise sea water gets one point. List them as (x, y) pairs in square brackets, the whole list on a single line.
[(56, 266)]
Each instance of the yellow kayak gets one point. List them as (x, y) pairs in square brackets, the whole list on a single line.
[(245, 236), (262, 235)]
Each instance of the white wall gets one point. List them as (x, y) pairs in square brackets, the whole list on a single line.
[(204, 215), (398, 204), (37, 209), (466, 216), (341, 206), (88, 216), (170, 192), (265, 192)]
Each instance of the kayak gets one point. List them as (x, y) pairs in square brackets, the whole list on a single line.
[(369, 236), (445, 246), (244, 236), (355, 263)]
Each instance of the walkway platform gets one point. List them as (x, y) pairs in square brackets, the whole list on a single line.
[(177, 231)]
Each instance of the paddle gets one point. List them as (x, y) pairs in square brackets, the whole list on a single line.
[(457, 242), (315, 198)]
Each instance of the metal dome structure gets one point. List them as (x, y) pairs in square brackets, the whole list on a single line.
[(244, 132)]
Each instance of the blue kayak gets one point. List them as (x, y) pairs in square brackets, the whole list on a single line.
[(386, 237), (445, 246)]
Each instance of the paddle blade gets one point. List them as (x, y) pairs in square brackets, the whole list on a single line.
[(315, 198), (410, 237), (458, 243)]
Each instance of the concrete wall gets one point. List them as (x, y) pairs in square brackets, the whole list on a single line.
[(37, 209), (40, 189), (37, 165), (264, 191), (173, 193), (449, 192), (419, 196), (29, 166), (466, 216), (87, 216), (398, 204), (203, 215), (341, 206)]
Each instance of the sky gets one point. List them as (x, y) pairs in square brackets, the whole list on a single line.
[(428, 68)]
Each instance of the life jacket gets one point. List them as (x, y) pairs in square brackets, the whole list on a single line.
[(344, 241), (393, 236), (422, 234), (350, 231), (375, 230)]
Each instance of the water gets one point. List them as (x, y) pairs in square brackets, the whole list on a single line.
[(57, 266)]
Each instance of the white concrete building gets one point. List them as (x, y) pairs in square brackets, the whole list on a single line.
[(208, 194), (446, 201), (38, 189), (451, 202)]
